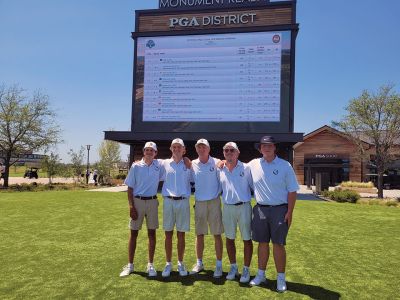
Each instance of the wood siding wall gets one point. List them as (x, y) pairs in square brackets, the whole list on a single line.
[(327, 142), (264, 17)]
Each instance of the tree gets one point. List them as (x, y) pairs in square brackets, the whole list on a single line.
[(27, 124), (374, 118), (110, 154), (77, 161), (52, 165)]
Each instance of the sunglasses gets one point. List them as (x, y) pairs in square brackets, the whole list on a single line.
[(229, 150)]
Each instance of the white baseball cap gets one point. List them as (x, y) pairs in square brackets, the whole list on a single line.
[(178, 141), (150, 145), (231, 144), (203, 141)]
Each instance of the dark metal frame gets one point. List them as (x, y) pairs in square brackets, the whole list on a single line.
[(127, 137)]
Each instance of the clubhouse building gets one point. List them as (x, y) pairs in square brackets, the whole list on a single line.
[(327, 150)]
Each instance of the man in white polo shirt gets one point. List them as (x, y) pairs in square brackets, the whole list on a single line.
[(236, 183), (275, 190), (142, 182), (207, 205), (176, 192)]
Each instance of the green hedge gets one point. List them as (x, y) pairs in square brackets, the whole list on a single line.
[(342, 195)]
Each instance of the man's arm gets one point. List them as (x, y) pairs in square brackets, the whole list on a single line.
[(132, 209), (187, 162), (291, 202)]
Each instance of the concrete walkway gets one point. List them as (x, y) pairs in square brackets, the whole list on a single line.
[(304, 193), (112, 189)]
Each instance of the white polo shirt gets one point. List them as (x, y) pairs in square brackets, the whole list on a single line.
[(272, 181), (177, 178), (205, 179), (144, 179), (236, 185)]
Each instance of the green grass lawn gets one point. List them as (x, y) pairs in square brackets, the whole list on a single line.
[(73, 244)]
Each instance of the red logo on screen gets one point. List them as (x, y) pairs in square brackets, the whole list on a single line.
[(276, 38)]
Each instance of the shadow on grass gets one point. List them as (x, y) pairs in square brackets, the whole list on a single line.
[(314, 292), (187, 280)]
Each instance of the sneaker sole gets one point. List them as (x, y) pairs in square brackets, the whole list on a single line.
[(253, 284), (281, 291), (195, 272)]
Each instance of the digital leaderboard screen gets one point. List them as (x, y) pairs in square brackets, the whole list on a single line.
[(237, 82)]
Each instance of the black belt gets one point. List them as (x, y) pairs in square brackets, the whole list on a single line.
[(146, 198), (176, 198), (238, 203), (267, 205)]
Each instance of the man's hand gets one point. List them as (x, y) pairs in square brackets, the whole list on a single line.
[(187, 162), (221, 164), (288, 218), (133, 212)]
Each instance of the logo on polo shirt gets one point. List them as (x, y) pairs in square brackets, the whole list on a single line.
[(157, 168), (241, 174), (275, 172), (184, 169), (212, 169)]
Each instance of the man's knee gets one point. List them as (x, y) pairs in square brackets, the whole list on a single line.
[(134, 233)]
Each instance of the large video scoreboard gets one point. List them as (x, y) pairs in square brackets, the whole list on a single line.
[(218, 69)]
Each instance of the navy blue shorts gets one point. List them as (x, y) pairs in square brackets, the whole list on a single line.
[(268, 224)]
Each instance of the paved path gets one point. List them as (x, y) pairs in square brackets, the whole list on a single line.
[(20, 180), (113, 189), (303, 194)]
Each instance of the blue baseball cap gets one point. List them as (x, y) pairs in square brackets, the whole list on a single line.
[(266, 139)]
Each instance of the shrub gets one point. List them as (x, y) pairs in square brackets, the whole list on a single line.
[(34, 187), (357, 184), (342, 195), (382, 202), (120, 176)]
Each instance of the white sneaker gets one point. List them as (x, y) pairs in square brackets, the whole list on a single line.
[(167, 271), (197, 268), (258, 280), (182, 270), (233, 272), (280, 285), (126, 271), (218, 272), (245, 276), (151, 271)]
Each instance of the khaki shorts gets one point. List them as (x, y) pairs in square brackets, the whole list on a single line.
[(237, 215), (208, 213), (148, 209), (176, 212)]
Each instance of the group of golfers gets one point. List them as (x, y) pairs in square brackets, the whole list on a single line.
[(229, 181)]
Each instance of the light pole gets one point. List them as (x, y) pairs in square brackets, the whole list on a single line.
[(87, 166)]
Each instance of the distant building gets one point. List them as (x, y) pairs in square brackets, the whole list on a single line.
[(327, 150), (29, 159)]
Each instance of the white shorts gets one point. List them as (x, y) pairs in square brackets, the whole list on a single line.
[(232, 215), (176, 212)]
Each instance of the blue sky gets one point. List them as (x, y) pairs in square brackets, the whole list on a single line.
[(81, 54)]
